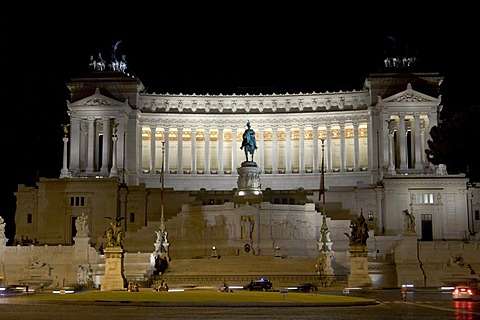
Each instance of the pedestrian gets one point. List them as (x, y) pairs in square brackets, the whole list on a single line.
[(403, 290)]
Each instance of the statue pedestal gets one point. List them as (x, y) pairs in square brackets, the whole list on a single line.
[(114, 278), (409, 269), (248, 183), (359, 267), (325, 263)]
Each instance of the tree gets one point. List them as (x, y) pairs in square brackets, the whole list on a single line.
[(453, 143)]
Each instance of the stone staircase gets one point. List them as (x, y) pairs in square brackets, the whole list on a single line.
[(240, 270), (242, 264)]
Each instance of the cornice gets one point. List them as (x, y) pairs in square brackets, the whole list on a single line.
[(274, 103)]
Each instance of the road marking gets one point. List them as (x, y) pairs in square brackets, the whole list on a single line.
[(462, 311)]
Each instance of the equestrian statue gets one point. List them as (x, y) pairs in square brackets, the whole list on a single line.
[(249, 145)]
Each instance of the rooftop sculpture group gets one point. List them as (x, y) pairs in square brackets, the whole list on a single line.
[(98, 63)]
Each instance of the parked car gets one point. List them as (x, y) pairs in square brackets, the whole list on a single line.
[(259, 285), (306, 287), (16, 289), (462, 293)]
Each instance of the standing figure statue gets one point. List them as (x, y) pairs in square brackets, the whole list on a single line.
[(409, 221), (249, 144), (81, 223)]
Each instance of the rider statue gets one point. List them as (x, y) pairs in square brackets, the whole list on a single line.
[(249, 142)]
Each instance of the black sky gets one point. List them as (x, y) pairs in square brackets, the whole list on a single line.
[(205, 49)]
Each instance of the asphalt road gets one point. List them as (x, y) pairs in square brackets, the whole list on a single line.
[(419, 305)]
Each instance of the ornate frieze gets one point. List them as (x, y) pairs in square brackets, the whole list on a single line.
[(250, 103)]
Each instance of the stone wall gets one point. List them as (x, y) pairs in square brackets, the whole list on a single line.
[(59, 266), (436, 263)]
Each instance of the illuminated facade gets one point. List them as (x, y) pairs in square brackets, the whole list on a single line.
[(120, 138)]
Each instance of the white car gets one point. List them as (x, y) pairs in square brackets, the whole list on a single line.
[(462, 293)]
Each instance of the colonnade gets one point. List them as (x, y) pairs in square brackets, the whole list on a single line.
[(287, 149), (407, 139), (215, 149)]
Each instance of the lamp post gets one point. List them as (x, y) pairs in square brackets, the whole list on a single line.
[(162, 178)]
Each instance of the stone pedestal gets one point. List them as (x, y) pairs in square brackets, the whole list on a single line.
[(324, 268), (248, 183), (325, 263), (409, 270), (359, 276), (82, 246), (114, 279)]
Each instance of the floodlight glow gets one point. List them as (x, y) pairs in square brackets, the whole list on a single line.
[(447, 288), (63, 291)]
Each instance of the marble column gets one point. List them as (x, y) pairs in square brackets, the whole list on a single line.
[(91, 144), (75, 137), (84, 145), (343, 157), (391, 147), (401, 136), (315, 149), (274, 150), (166, 151), (417, 142), (220, 150), (234, 150), (193, 151), (180, 150), (329, 147), (301, 155), (207, 150), (106, 144), (261, 148), (356, 148), (288, 150), (64, 173), (152, 148), (423, 143), (388, 125)]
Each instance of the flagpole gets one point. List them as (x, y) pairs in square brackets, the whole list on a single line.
[(162, 179)]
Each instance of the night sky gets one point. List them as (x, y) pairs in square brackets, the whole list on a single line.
[(188, 49)]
